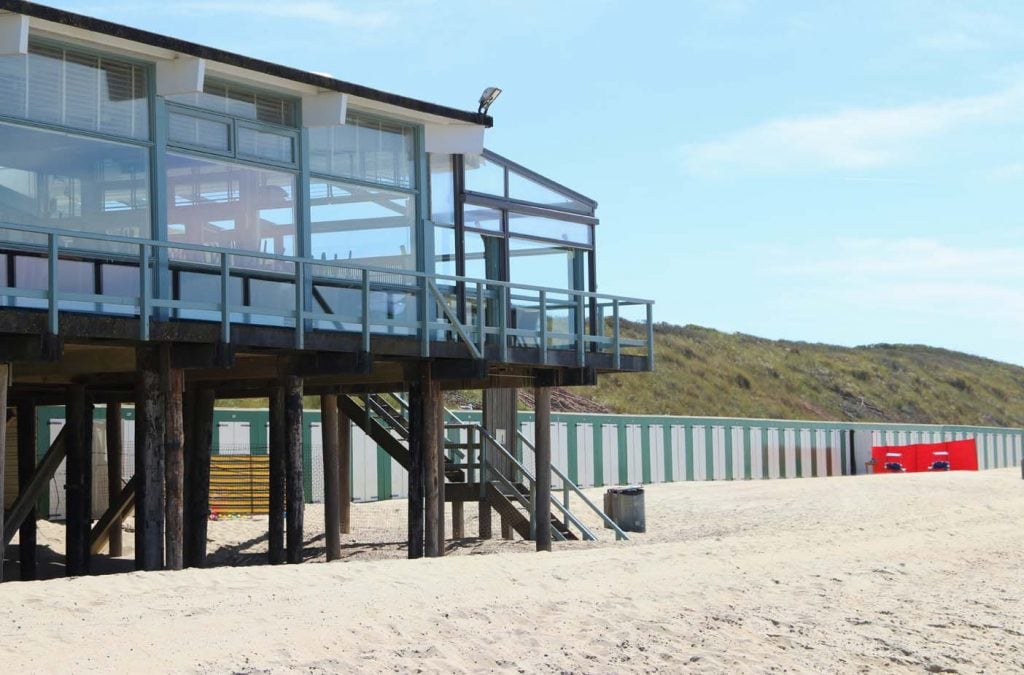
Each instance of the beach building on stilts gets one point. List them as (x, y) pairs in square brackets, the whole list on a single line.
[(181, 224)]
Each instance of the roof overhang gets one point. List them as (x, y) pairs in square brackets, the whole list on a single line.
[(139, 43)]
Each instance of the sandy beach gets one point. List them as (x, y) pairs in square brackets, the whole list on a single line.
[(906, 573)]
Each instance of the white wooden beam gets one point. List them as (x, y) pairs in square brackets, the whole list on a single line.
[(454, 139), (183, 75), (326, 109), (13, 34)]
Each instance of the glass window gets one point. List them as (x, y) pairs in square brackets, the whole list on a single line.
[(550, 228), (442, 190), (365, 149), (230, 206), (484, 176), (200, 132), (75, 89), (370, 226), (239, 101), (259, 144), (482, 218), (538, 264), (444, 251), (483, 256), (55, 179), (528, 190)]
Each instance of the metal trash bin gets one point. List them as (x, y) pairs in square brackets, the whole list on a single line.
[(625, 506)]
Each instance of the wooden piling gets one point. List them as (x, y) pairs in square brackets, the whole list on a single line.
[(292, 385), (439, 476), (115, 448), (458, 520), (5, 377), (542, 501), (507, 532), (276, 450), (26, 467), (344, 473), (332, 513), (416, 453), (174, 470), (433, 544), (149, 461), (197, 467), (79, 481)]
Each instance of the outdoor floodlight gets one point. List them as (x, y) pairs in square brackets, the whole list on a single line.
[(487, 98)]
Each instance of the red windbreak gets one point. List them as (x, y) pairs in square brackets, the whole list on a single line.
[(948, 456)]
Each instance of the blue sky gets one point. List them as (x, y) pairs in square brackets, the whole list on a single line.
[(825, 171)]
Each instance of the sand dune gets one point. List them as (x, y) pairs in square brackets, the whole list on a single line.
[(905, 572)]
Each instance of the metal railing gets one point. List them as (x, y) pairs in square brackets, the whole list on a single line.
[(498, 309)]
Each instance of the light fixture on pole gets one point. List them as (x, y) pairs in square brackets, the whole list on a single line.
[(487, 98)]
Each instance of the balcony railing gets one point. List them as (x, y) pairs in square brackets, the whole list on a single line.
[(305, 294)]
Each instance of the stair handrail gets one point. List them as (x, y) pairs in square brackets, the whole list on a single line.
[(584, 530), (566, 482), (521, 498)]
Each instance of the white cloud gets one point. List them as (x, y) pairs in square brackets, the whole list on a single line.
[(919, 277), (853, 139)]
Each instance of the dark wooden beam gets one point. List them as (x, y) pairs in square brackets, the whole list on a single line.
[(292, 386), (79, 481), (27, 498), (149, 461), (27, 348), (333, 363), (115, 449), (542, 471), (433, 473), (332, 513), (119, 507), (26, 467), (416, 460), (344, 472), (439, 462), (275, 527), (197, 484), (174, 470), (5, 378)]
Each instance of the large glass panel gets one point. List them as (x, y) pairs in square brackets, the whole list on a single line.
[(483, 256), (528, 190), (365, 149), (484, 176), (364, 225), (230, 205), (53, 179), (550, 228), (482, 218), (442, 190), (444, 251), (258, 144), (539, 264), (239, 101), (76, 89)]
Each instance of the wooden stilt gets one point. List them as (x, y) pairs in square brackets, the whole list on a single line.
[(458, 520), (197, 466), (293, 466), (149, 462), (332, 514), (277, 477), (542, 501), (439, 476), (26, 467), (5, 377), (431, 475), (506, 530), (115, 448), (174, 470), (416, 453), (344, 473), (79, 481)]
